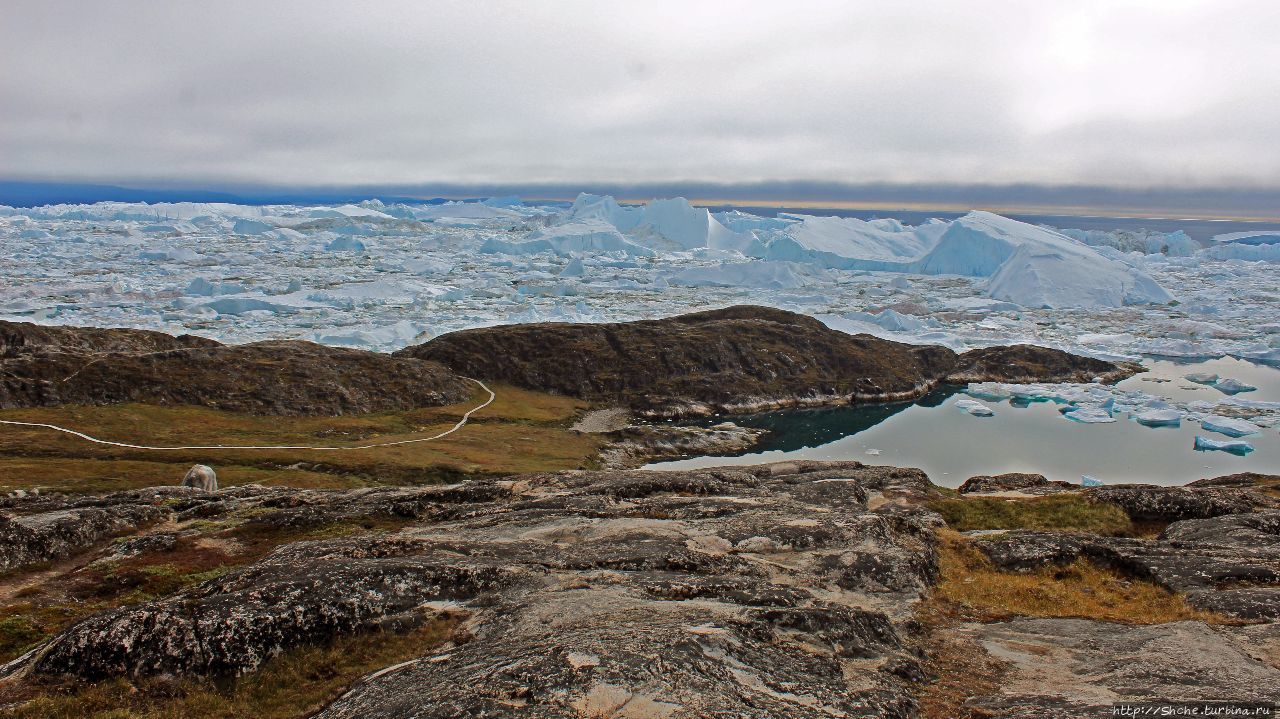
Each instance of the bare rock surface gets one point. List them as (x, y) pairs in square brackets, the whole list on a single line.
[(737, 359), (1228, 564), (639, 444), (1079, 667), (51, 535), (1144, 502), (746, 591), (53, 366), (1014, 482)]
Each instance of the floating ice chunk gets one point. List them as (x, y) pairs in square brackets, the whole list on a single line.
[(201, 287), (1201, 377), (974, 407), (1263, 245), (873, 452), (250, 227), (1036, 267), (590, 235), (1159, 417), (1234, 446), (1233, 386), (849, 243), (170, 254), (345, 243), (990, 391), (1229, 426), (1087, 481), (762, 274), (574, 268), (1089, 414)]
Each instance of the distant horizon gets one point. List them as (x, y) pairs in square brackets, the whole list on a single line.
[(1209, 203)]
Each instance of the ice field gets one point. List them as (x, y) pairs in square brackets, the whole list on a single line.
[(384, 276)]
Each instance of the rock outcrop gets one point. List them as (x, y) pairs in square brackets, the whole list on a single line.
[(1227, 564), (1015, 482), (56, 534), (51, 366), (737, 359), (1081, 668), (760, 591)]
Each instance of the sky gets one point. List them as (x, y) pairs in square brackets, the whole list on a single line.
[(1121, 93)]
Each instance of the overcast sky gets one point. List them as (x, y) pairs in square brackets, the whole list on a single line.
[(1159, 93)]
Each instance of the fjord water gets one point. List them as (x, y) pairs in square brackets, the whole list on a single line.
[(952, 446)]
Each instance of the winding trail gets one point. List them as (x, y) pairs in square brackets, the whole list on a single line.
[(460, 424)]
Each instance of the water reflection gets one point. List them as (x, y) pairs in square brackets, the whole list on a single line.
[(950, 445), (796, 429)]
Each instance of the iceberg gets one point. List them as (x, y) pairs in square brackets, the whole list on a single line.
[(1257, 246), (974, 408), (345, 243), (1229, 426), (1233, 386), (1234, 446), (1201, 377), (1036, 267), (1159, 417), (990, 391), (761, 274), (585, 236), (1089, 414), (1087, 481), (849, 243)]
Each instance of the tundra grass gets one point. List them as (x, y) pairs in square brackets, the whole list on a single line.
[(1067, 512), (972, 589), (521, 431)]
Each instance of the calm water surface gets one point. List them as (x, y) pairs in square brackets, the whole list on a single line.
[(952, 446)]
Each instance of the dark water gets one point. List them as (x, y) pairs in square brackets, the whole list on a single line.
[(952, 446)]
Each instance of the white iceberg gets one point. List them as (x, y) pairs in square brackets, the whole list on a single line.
[(1234, 446), (1230, 426), (1233, 386), (1159, 417), (1036, 267), (1201, 377), (1089, 414), (345, 243), (761, 274), (974, 408)]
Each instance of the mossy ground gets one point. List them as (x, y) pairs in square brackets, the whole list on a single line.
[(295, 684), (1066, 512), (521, 431)]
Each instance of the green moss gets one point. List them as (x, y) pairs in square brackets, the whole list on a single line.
[(1056, 512)]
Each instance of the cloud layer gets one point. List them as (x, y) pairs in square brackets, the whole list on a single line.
[(1162, 93)]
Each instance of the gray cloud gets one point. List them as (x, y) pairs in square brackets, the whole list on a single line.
[(1159, 92)]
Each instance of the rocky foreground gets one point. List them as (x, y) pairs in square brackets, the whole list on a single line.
[(788, 590), (736, 359)]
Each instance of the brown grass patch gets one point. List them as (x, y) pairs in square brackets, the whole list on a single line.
[(295, 684), (959, 670), (971, 588)]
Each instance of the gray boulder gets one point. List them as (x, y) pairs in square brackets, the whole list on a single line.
[(201, 476)]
